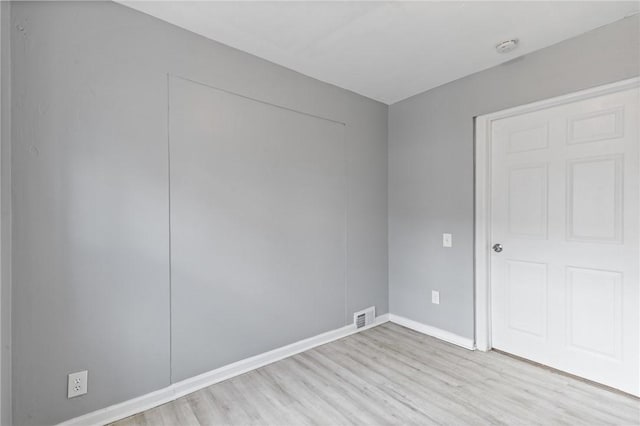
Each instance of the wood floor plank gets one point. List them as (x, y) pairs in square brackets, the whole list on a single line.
[(390, 375), (375, 405)]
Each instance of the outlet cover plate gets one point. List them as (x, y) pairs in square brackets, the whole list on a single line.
[(447, 240), (77, 384), (435, 297)]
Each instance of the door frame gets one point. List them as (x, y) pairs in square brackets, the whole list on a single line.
[(482, 259)]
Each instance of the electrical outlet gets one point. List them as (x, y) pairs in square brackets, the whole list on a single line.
[(447, 240), (435, 297), (77, 384)]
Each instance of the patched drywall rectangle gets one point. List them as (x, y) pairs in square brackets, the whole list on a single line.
[(258, 202)]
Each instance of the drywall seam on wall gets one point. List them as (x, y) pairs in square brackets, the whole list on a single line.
[(168, 122), (2, 281), (5, 215), (345, 155), (231, 92)]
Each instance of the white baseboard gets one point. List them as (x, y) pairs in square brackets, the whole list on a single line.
[(433, 331), (184, 387)]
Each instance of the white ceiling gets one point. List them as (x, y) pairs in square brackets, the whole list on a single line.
[(387, 51)]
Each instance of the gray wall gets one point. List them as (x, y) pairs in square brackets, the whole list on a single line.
[(5, 213), (91, 271), (431, 164)]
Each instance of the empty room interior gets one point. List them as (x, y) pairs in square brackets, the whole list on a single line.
[(319, 213)]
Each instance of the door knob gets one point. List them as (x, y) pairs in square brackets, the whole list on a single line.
[(497, 248)]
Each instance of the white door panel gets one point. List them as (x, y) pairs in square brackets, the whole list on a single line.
[(564, 206)]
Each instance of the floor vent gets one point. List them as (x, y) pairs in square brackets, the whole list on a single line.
[(365, 317)]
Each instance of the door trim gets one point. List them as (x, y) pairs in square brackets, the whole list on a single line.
[(482, 259)]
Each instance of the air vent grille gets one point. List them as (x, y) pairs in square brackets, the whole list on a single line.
[(365, 317)]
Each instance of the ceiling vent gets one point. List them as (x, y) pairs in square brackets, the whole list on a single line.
[(507, 46), (365, 317)]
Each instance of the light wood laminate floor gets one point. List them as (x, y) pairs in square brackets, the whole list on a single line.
[(392, 375)]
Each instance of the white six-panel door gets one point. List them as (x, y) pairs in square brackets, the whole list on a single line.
[(564, 208)]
